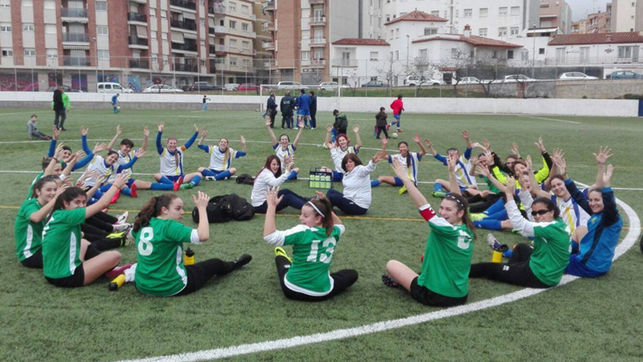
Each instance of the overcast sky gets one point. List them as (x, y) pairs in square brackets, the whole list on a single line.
[(580, 8)]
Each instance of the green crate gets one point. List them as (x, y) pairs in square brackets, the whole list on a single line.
[(319, 179)]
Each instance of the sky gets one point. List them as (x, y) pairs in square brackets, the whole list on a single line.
[(580, 8)]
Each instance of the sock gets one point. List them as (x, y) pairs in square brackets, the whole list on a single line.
[(165, 180), (508, 254), (438, 187), (163, 186), (126, 191), (375, 183), (292, 176), (223, 175), (490, 224), (130, 274), (195, 180)]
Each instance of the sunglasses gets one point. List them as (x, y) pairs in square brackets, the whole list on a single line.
[(539, 212)]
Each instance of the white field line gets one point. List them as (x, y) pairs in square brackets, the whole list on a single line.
[(551, 119), (628, 241)]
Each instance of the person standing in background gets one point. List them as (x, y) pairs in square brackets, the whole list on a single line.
[(397, 106), (205, 103), (59, 108), (115, 103), (313, 110), (271, 109), (286, 106), (303, 108)]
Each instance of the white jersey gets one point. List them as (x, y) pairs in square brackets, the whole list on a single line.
[(123, 159), (218, 159), (572, 214), (338, 155), (102, 170), (412, 171), (264, 180), (463, 173), (281, 154), (357, 185), (172, 164)]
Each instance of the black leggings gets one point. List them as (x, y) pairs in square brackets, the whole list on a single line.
[(98, 237), (199, 273), (34, 261), (343, 279), (516, 271)]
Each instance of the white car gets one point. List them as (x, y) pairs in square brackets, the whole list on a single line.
[(469, 80), (517, 78), (331, 86), (111, 87), (576, 76), (231, 87), (287, 84), (414, 80), (162, 88)]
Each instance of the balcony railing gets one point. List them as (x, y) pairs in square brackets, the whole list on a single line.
[(320, 20), (138, 63), (73, 13), (344, 62), (185, 46), (76, 37), (179, 67), (78, 61), (137, 17), (268, 45), (268, 26), (133, 40), (313, 2), (317, 41), (187, 25), (184, 4), (269, 5), (220, 29)]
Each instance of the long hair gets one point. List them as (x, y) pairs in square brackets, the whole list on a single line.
[(67, 196), (151, 209), (226, 156), (551, 206), (326, 208), (353, 157), (267, 165), (462, 204), (408, 156), (40, 183)]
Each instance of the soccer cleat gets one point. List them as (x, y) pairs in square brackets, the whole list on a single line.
[(115, 197), (399, 130), (495, 245), (439, 194), (186, 186), (122, 217), (122, 226), (402, 190), (279, 251), (177, 184), (477, 216), (115, 235), (117, 271), (133, 189), (389, 281), (210, 178), (242, 260)]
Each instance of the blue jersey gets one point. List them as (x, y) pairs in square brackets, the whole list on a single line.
[(114, 100), (303, 102)]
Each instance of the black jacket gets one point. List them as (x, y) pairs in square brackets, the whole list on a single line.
[(286, 105)]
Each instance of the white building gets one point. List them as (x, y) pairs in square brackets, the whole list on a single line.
[(357, 61), (627, 15), (621, 50)]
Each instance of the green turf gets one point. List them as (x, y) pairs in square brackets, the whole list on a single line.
[(587, 319)]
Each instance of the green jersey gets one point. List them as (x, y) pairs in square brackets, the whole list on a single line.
[(551, 251), (447, 257), (28, 233), (312, 252), (61, 243), (160, 269)]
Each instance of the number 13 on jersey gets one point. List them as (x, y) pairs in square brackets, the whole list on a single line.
[(325, 254)]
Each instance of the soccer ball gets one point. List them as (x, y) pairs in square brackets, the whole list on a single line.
[(394, 135), (118, 108)]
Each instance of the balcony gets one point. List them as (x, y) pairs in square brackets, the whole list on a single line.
[(184, 24), (219, 29), (211, 31), (76, 61), (318, 21), (316, 2), (184, 4), (313, 63), (344, 63), (139, 1), (269, 5), (268, 26), (138, 63), (221, 49), (212, 49), (75, 38), (268, 45), (70, 14), (182, 67), (317, 42), (141, 18), (134, 40), (188, 47)]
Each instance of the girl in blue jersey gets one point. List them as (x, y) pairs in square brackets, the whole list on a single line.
[(221, 157), (171, 157), (306, 276), (283, 149), (405, 158)]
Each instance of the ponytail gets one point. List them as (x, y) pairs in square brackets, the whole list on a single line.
[(151, 209), (326, 208)]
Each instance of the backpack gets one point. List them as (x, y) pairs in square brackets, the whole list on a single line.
[(341, 123), (245, 179), (224, 208)]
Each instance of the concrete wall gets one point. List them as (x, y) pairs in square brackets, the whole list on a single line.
[(532, 106)]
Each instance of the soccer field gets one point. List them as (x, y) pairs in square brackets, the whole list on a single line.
[(599, 319)]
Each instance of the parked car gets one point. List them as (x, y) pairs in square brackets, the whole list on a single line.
[(624, 74), (576, 76), (288, 84), (247, 87), (517, 78), (414, 80), (111, 87), (162, 88), (374, 83), (204, 86), (230, 87), (66, 89), (469, 80)]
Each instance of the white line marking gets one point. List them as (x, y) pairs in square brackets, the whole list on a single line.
[(551, 119), (628, 242)]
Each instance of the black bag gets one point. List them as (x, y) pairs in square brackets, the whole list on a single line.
[(224, 208), (245, 179), (341, 123)]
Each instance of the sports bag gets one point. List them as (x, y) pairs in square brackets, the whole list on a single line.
[(245, 179), (224, 208)]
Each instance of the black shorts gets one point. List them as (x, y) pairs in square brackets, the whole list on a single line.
[(73, 281), (34, 261), (428, 297)]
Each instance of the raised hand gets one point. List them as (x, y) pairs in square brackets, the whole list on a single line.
[(268, 121), (452, 160), (99, 147), (399, 169), (140, 153), (427, 143), (120, 180), (356, 129), (300, 124), (119, 130), (539, 144), (201, 199), (416, 138), (604, 153), (84, 131), (329, 128), (514, 149), (243, 140), (272, 198), (486, 145), (465, 135), (161, 127), (146, 131), (55, 133), (196, 128)]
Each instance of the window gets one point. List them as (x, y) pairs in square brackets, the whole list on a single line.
[(625, 52), (455, 53), (233, 43), (435, 12), (245, 9), (101, 30), (467, 13), (29, 52), (584, 54), (27, 3), (233, 61), (27, 27), (50, 4), (430, 31), (318, 53), (494, 54), (245, 44), (6, 28), (502, 31), (5, 3), (515, 10), (233, 24), (7, 52), (560, 55), (541, 51), (50, 29), (103, 54), (510, 54), (482, 31), (244, 26), (305, 55), (373, 79), (373, 56), (397, 55), (397, 33), (101, 5), (484, 12), (515, 30), (502, 11), (423, 53), (232, 6), (544, 6)]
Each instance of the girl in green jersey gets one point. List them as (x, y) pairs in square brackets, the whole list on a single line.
[(68, 259), (443, 280), (31, 220), (307, 277), (160, 268)]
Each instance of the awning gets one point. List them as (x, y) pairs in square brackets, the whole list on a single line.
[(189, 36), (189, 16), (177, 37)]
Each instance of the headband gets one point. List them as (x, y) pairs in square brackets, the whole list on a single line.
[(453, 198), (316, 209)]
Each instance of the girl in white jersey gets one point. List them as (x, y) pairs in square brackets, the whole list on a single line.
[(340, 148), (283, 149), (221, 157), (171, 158), (271, 176), (405, 158)]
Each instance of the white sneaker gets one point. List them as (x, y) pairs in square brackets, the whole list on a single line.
[(122, 227), (210, 178), (122, 218)]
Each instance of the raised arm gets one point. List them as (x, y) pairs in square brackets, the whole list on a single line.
[(83, 140), (112, 142), (104, 201), (604, 153), (146, 135), (610, 213), (272, 200), (201, 202), (453, 182), (189, 143), (40, 215), (159, 146), (299, 132), (243, 146), (271, 133), (358, 139), (200, 145), (70, 165), (416, 139), (428, 144), (519, 223)]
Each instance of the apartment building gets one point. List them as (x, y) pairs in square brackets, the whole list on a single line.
[(302, 32), (134, 42), (627, 15), (555, 14)]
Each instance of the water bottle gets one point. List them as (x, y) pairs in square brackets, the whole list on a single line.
[(188, 258)]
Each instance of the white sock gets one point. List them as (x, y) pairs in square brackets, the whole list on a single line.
[(130, 273)]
